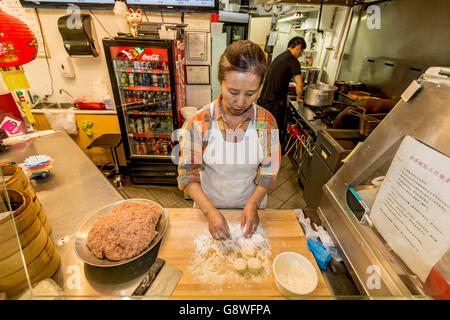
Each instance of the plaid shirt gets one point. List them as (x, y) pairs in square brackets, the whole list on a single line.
[(195, 139)]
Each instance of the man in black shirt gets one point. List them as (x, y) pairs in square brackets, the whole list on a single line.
[(283, 68)]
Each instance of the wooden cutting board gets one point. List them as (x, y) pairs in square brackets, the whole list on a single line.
[(281, 229)]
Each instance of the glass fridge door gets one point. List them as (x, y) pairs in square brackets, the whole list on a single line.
[(143, 82)]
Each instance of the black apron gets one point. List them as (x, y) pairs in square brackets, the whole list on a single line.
[(279, 110)]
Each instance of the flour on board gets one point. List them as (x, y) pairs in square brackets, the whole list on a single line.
[(214, 261)]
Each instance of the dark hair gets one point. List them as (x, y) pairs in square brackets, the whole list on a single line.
[(295, 41), (242, 56)]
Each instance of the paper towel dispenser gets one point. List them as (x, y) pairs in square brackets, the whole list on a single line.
[(78, 35)]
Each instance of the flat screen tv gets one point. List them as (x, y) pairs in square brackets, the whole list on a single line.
[(86, 4), (175, 5)]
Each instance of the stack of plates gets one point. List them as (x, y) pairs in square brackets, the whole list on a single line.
[(39, 165)]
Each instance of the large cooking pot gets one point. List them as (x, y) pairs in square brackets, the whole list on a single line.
[(319, 94)]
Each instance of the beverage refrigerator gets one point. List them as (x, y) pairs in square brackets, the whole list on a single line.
[(148, 83)]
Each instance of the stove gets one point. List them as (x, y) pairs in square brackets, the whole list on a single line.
[(326, 114)]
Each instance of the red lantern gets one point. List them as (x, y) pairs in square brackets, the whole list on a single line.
[(17, 42)]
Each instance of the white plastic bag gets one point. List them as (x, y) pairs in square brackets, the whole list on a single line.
[(328, 243), (62, 120)]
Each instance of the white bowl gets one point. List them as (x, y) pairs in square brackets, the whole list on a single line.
[(294, 274), (188, 112)]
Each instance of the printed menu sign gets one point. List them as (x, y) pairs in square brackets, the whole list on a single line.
[(412, 208)]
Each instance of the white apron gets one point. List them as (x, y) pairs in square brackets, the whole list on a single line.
[(231, 168)]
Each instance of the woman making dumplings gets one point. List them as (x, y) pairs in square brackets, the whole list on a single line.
[(230, 151)]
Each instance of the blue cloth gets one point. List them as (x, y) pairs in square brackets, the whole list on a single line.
[(320, 253)]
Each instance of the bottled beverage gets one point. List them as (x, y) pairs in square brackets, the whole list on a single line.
[(165, 149), (149, 146), (164, 65), (143, 147), (131, 78), (130, 54), (166, 100), (137, 79), (152, 124), (147, 79), (136, 146), (123, 80), (139, 125), (161, 81), (154, 82), (147, 127), (144, 97), (132, 125)]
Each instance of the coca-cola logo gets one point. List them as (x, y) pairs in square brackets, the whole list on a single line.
[(153, 57)]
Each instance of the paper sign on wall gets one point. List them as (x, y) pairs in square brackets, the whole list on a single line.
[(412, 207), (27, 15)]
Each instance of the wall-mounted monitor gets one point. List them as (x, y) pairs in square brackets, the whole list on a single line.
[(85, 4), (176, 5)]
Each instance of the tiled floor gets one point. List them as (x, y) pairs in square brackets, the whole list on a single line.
[(287, 194)]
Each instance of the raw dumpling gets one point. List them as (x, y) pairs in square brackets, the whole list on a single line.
[(254, 265), (247, 247), (240, 265)]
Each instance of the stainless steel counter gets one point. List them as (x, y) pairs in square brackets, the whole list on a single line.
[(73, 192)]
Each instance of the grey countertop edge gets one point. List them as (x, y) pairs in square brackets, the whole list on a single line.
[(104, 112)]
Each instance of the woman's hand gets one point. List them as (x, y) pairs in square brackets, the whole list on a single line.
[(218, 226), (250, 218)]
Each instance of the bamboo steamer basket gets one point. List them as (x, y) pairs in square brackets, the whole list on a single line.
[(38, 250), (19, 181), (24, 215), (43, 267)]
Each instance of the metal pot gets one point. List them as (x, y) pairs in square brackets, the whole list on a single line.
[(319, 94)]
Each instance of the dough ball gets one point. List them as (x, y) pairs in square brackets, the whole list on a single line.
[(240, 265), (248, 251), (254, 265), (258, 240)]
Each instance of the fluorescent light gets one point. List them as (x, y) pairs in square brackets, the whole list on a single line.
[(293, 17)]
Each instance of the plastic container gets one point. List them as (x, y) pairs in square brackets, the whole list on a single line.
[(216, 27)]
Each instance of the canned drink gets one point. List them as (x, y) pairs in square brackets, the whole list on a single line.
[(131, 79)]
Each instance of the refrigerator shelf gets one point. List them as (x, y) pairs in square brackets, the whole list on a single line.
[(130, 70), (144, 88), (161, 135), (150, 113)]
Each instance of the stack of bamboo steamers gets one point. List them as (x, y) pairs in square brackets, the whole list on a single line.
[(40, 254)]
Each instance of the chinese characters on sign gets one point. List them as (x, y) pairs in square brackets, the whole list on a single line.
[(412, 207)]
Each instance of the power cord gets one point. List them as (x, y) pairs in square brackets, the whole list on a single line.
[(100, 23), (45, 51)]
